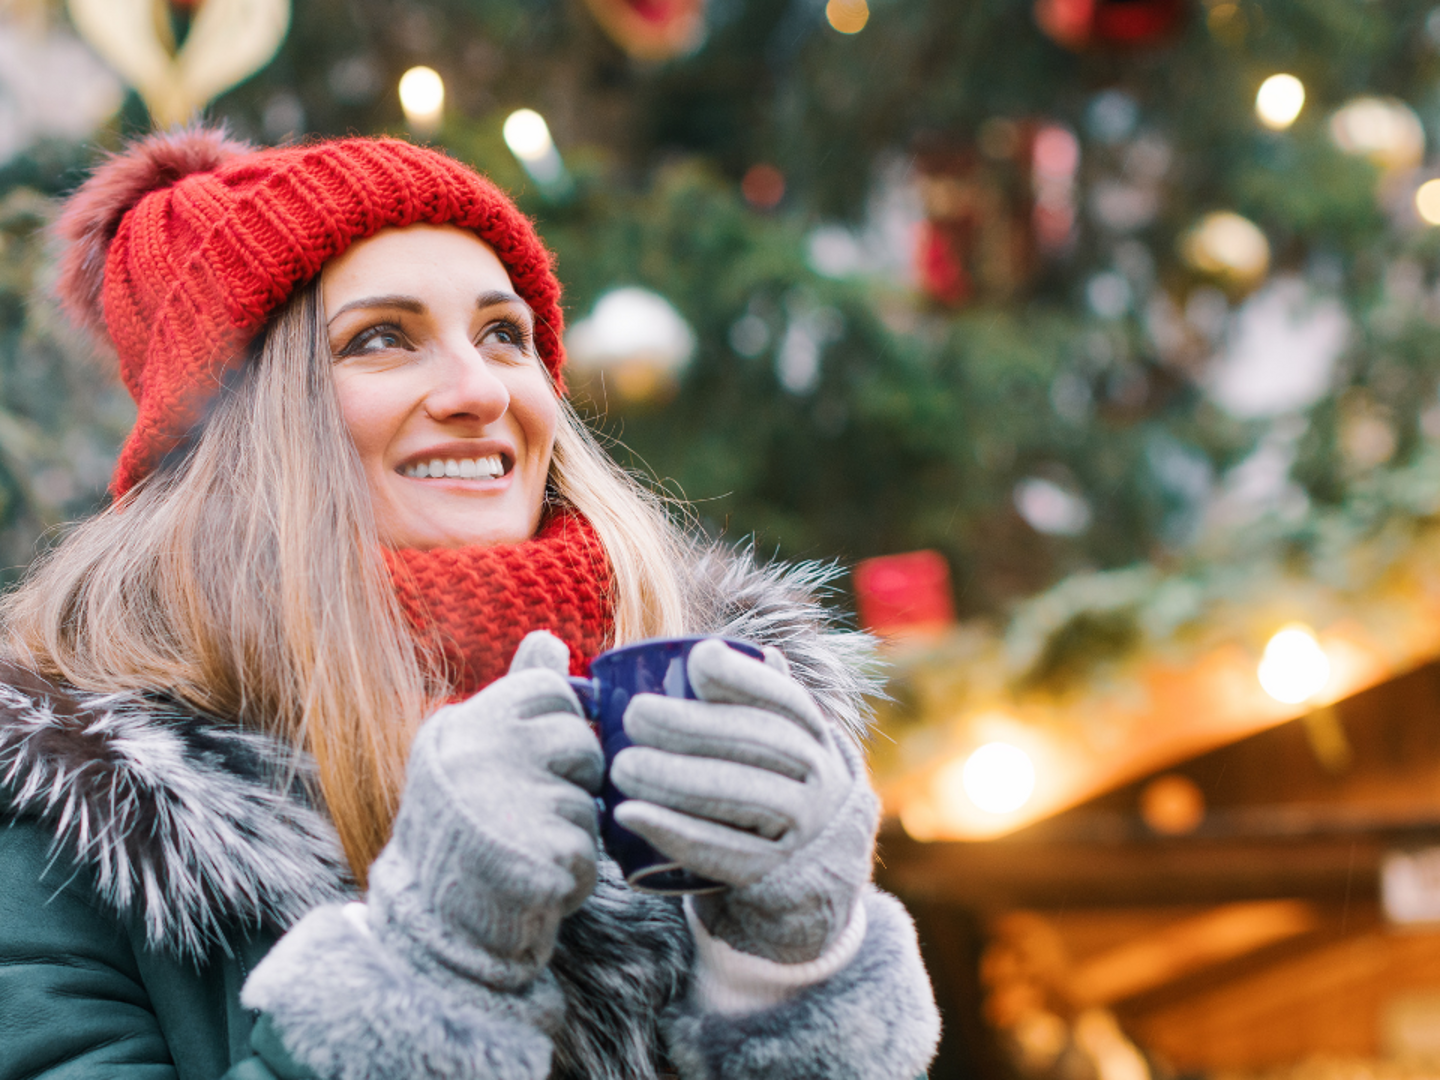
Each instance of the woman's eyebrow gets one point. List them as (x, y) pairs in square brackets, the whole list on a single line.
[(404, 303), (497, 298)]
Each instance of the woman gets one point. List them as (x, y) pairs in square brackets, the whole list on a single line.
[(354, 492)]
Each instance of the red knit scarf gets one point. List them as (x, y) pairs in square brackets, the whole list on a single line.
[(483, 600)]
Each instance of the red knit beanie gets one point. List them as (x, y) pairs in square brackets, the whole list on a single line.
[(184, 244)]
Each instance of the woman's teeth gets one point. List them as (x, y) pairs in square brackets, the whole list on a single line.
[(485, 468)]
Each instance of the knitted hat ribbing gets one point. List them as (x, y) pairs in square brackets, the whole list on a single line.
[(182, 246)]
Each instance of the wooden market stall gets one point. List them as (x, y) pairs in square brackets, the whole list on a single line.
[(1204, 880)]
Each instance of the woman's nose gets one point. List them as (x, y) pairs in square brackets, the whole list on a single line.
[(466, 388)]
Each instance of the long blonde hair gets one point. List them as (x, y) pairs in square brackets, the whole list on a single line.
[(245, 579)]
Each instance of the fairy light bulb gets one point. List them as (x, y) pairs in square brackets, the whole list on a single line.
[(1293, 668), (528, 137), (998, 777), (1427, 202), (422, 96), (1279, 101)]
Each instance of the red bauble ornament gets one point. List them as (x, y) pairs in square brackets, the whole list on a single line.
[(1121, 24), (940, 265), (652, 29)]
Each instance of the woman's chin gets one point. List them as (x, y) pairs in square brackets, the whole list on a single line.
[(456, 517)]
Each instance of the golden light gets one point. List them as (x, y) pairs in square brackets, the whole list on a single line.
[(1279, 101), (422, 96), (1427, 201), (1172, 805), (1228, 246), (847, 16), (1385, 130), (1294, 668), (528, 137), (998, 778)]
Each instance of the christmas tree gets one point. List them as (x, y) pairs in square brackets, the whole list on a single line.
[(1035, 287)]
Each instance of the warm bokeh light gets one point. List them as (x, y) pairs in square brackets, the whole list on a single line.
[(1228, 245), (848, 16), (1172, 805), (1294, 668), (1427, 201), (1279, 101), (1385, 130), (998, 777), (422, 96), (527, 135)]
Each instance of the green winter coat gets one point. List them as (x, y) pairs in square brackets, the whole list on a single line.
[(82, 997)]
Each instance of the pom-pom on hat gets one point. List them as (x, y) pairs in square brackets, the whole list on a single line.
[(181, 247)]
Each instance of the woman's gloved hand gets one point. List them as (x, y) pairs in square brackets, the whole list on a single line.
[(496, 837), (750, 785)]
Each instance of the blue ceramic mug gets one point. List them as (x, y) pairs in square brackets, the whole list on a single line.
[(656, 666)]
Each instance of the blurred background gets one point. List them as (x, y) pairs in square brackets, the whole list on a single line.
[(1098, 336)]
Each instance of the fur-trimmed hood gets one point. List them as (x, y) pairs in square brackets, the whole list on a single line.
[(197, 828)]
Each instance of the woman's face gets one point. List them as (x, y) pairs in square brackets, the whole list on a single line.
[(445, 398)]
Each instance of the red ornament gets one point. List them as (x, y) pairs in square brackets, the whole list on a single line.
[(652, 29), (1120, 24), (991, 213), (763, 186), (905, 594), (940, 266)]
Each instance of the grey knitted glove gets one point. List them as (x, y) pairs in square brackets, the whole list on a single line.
[(496, 838), (750, 785)]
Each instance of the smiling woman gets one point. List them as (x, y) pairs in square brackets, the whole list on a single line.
[(450, 409), (285, 733)]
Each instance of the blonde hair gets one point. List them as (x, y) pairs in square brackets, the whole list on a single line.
[(245, 578)]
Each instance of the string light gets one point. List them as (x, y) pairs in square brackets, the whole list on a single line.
[(1427, 201), (847, 16), (528, 137), (998, 777), (422, 96), (1294, 668), (1279, 101)]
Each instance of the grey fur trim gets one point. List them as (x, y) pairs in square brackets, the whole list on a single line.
[(734, 595), (873, 1020), (347, 1008), (181, 820), (622, 959)]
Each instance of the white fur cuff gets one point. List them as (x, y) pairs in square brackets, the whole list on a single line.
[(731, 982), (347, 1008)]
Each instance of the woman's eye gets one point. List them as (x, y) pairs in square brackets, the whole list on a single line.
[(374, 339), (506, 333)]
